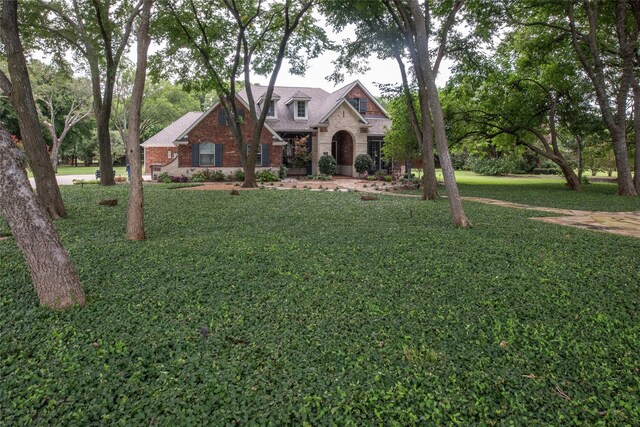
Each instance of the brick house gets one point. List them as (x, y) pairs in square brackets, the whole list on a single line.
[(344, 123)]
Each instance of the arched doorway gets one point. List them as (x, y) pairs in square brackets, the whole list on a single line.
[(342, 151)]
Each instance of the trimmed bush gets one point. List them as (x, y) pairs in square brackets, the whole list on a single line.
[(363, 163), (327, 165)]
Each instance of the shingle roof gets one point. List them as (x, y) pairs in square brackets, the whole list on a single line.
[(168, 135), (320, 104)]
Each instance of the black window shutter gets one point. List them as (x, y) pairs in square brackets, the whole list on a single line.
[(222, 116), (195, 155), (265, 154), (363, 105), (218, 155)]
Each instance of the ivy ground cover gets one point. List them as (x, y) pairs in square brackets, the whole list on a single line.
[(294, 307)]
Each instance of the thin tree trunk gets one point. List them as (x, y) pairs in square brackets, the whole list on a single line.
[(424, 137), (580, 161), (422, 48), (21, 97), (52, 272), (55, 152), (104, 146), (636, 134), (135, 209)]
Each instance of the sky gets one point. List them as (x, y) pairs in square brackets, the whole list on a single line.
[(380, 71)]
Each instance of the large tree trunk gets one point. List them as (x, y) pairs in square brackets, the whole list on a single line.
[(135, 209), (22, 101), (422, 48), (569, 175), (250, 174), (52, 272)]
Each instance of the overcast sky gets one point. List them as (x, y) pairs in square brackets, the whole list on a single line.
[(380, 72)]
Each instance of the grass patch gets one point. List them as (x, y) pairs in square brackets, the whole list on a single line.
[(84, 170), (542, 190), (291, 307)]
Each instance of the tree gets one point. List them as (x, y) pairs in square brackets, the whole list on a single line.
[(17, 87), (65, 102), (400, 142), (415, 22), (135, 210), (604, 37), (162, 103), (218, 48), (377, 32), (52, 272), (97, 31)]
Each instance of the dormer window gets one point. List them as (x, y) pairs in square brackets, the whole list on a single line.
[(271, 113), (301, 109), (360, 104)]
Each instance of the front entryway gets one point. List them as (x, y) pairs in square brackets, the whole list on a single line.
[(342, 151)]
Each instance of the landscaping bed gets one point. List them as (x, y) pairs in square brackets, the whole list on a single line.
[(293, 307)]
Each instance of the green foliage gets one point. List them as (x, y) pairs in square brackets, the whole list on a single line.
[(266, 175), (489, 166), (363, 163), (277, 317), (327, 164), (163, 177), (282, 172), (400, 142), (208, 175), (238, 175), (319, 177)]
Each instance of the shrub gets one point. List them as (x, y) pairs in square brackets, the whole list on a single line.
[(282, 172), (207, 175), (489, 166), (266, 175), (546, 171), (238, 175), (371, 178), (327, 165), (164, 178), (181, 178), (363, 163), (388, 178), (319, 177)]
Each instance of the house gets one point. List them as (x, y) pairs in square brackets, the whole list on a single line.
[(344, 123)]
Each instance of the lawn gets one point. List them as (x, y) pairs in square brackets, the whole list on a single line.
[(541, 190), (294, 307), (85, 170)]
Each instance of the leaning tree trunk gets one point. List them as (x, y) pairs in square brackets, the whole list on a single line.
[(52, 272), (21, 97), (135, 210), (458, 215), (569, 175)]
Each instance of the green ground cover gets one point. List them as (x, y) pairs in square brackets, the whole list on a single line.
[(296, 306)]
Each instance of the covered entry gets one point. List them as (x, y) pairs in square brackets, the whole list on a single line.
[(342, 150)]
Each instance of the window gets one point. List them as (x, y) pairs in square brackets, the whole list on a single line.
[(169, 154), (258, 154), (355, 102), (272, 109), (301, 110), (207, 154)]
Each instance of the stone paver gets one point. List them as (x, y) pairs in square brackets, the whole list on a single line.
[(623, 223)]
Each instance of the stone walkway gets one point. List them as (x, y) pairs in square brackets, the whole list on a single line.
[(623, 223)]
